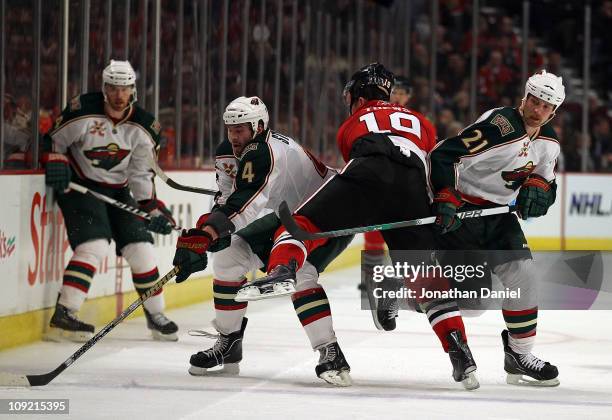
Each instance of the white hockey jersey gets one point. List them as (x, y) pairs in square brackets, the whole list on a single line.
[(272, 168), (490, 159), (108, 153)]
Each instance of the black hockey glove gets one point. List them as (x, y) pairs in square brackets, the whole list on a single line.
[(190, 254), (161, 218), (446, 203), (57, 171), (535, 197)]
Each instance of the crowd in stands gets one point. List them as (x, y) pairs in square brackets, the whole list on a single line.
[(323, 63)]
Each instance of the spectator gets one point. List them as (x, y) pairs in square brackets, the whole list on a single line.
[(494, 79), (602, 143)]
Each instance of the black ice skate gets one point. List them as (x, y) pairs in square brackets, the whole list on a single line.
[(280, 282), (161, 327), (226, 353), (64, 325), (464, 365), (384, 309), (332, 367), (516, 365)]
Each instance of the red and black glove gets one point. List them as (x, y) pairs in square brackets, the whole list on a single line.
[(161, 217), (190, 254), (446, 203), (221, 242), (57, 171), (535, 197)]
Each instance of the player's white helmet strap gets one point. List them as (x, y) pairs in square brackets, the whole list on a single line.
[(246, 110), (546, 86), (120, 73)]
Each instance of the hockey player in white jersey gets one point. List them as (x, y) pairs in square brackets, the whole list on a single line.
[(507, 154), (104, 141), (269, 168)]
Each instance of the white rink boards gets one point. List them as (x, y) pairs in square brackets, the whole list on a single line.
[(401, 374)]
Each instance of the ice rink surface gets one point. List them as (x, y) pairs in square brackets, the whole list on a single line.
[(400, 374)]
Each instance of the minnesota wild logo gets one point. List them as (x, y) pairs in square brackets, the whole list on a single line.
[(106, 157), (230, 169), (98, 128), (515, 178), (524, 150)]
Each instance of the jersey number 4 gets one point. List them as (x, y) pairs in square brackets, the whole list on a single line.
[(399, 121), (247, 172)]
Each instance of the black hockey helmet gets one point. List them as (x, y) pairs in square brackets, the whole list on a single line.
[(371, 82)]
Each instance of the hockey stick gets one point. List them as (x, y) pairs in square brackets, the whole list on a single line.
[(116, 203), (173, 184), (12, 379), (294, 230)]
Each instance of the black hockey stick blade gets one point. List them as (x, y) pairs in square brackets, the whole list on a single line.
[(173, 184), (294, 230), (289, 223), (15, 380)]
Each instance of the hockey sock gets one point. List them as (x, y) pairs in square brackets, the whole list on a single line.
[(141, 257), (142, 283), (286, 247), (314, 313), (373, 241), (443, 314), (77, 280), (229, 313), (444, 317), (522, 328)]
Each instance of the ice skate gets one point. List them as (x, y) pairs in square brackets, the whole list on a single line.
[(280, 282), (226, 354), (64, 325), (333, 367), (464, 365), (384, 309), (519, 366), (161, 327)]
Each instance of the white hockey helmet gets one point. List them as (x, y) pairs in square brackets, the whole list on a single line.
[(250, 110), (546, 86), (120, 73)]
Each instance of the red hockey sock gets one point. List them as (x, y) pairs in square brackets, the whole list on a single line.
[(373, 241), (286, 247), (446, 326)]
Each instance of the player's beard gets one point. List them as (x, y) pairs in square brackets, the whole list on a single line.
[(119, 105), (237, 149)]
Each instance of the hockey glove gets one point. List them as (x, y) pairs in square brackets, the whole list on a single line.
[(446, 203), (57, 171), (535, 197), (220, 243), (161, 218), (190, 254)]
